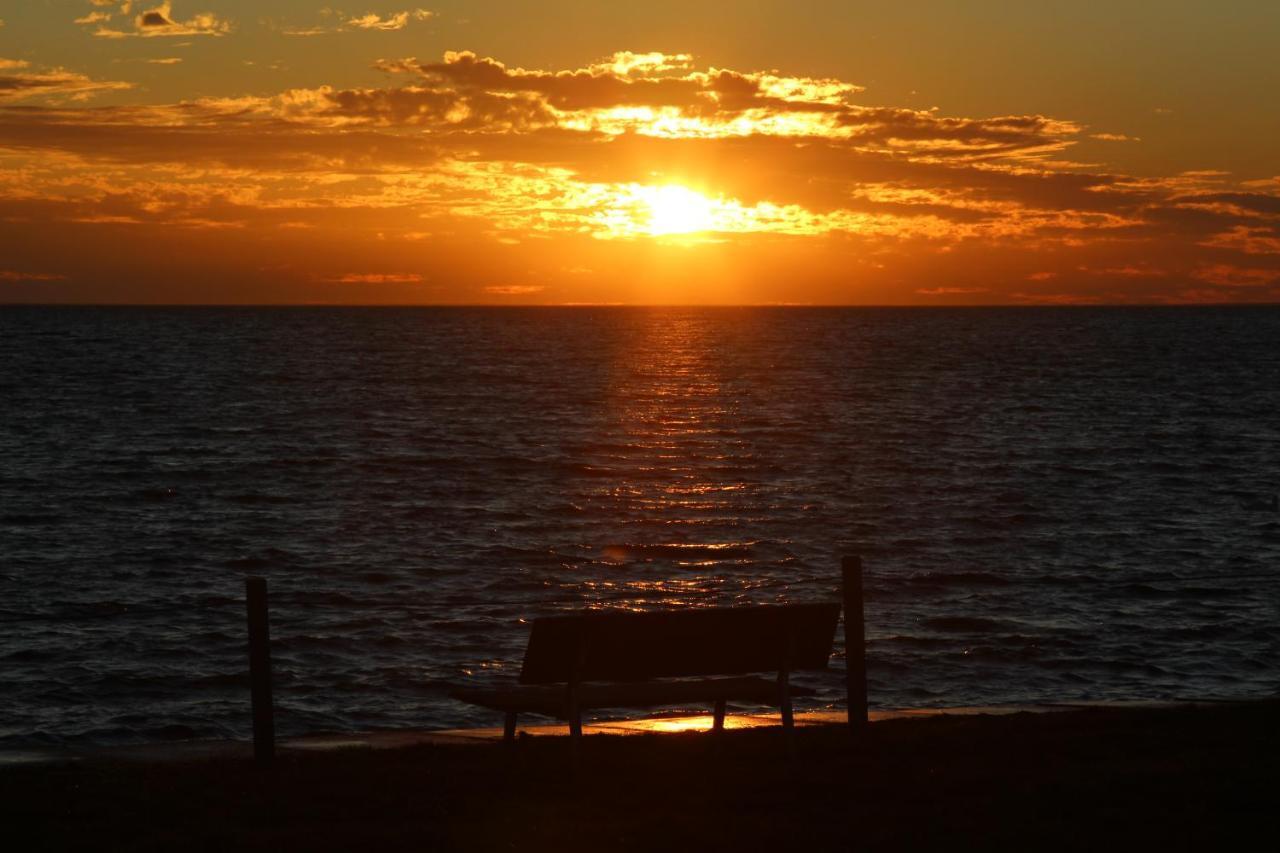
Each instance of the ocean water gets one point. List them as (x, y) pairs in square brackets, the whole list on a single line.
[(1052, 504)]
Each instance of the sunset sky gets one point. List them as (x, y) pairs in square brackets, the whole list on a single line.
[(924, 153)]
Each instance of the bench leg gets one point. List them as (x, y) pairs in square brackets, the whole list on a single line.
[(784, 705), (788, 725), (509, 728), (575, 741), (573, 710), (717, 724)]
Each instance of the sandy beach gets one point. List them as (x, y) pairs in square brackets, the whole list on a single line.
[(1119, 778)]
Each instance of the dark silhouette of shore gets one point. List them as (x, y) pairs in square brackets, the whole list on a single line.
[(1169, 779)]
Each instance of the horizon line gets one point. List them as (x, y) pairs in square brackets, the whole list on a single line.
[(635, 305)]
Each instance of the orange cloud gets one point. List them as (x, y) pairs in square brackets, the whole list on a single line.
[(1247, 239), (15, 275), (18, 83), (156, 22), (393, 21), (368, 22), (1125, 271), (1228, 275), (514, 289), (376, 278)]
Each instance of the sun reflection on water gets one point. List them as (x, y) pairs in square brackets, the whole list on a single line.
[(672, 462)]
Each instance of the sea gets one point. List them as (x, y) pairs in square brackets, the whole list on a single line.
[(1052, 504)]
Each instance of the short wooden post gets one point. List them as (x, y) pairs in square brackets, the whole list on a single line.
[(264, 727), (717, 719), (509, 728), (855, 642)]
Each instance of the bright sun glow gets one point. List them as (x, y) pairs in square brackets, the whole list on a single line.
[(676, 210)]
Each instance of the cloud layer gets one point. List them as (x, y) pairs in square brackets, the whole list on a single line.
[(486, 176)]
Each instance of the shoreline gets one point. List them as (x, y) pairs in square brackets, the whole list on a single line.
[(1169, 777), (674, 722)]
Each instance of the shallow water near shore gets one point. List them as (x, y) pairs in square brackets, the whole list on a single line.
[(1052, 504)]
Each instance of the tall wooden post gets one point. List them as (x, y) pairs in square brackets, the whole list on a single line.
[(855, 642), (264, 726)]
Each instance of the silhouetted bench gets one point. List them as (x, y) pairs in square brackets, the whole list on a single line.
[(622, 659)]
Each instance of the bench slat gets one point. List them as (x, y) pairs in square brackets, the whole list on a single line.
[(627, 646)]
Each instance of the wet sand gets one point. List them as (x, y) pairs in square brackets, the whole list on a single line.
[(1088, 779)]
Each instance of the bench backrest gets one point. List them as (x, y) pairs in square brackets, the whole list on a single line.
[(620, 645)]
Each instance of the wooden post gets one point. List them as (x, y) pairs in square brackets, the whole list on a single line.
[(509, 728), (784, 696), (574, 712), (784, 692), (717, 718), (855, 642), (573, 698), (264, 727)]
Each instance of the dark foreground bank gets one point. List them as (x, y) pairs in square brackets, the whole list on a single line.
[(1168, 779)]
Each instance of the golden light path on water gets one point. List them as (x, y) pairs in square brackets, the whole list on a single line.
[(685, 467)]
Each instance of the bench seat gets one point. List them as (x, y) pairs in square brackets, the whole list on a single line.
[(628, 659), (551, 699)]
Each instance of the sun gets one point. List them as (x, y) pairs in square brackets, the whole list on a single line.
[(673, 209), (673, 213)]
